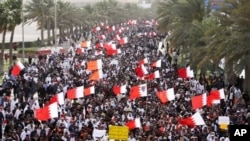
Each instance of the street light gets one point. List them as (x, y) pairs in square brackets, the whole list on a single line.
[(22, 33), (55, 3)]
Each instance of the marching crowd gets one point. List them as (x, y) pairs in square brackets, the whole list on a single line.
[(46, 75)]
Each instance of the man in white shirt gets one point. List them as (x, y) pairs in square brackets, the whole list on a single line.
[(17, 112), (24, 133), (211, 136)]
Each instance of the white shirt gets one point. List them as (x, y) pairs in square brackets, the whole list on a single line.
[(72, 139), (35, 105), (210, 138), (13, 104), (30, 127), (131, 139), (23, 134), (17, 113), (64, 138)]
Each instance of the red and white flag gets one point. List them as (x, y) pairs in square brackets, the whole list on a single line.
[(111, 51), (94, 65), (147, 22), (101, 24), (98, 52), (166, 96), (77, 92), (96, 75), (141, 71), (109, 45), (138, 91), (96, 29), (119, 89), (119, 31), (58, 98), (17, 68), (132, 22), (46, 113), (194, 120), (112, 28), (99, 45), (88, 91), (152, 34), (143, 61), (199, 101), (185, 72), (153, 76), (132, 124), (156, 64), (123, 41), (80, 51), (102, 37), (215, 96), (117, 37)]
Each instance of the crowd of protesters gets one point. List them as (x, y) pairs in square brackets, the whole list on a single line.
[(47, 75)]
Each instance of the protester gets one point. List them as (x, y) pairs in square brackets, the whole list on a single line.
[(45, 76), (6, 57)]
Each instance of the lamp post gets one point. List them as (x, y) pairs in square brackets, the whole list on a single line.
[(22, 14), (55, 3)]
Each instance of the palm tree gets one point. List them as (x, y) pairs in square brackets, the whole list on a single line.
[(36, 12), (91, 15), (130, 10), (10, 17), (230, 39), (208, 39), (165, 12), (68, 17), (15, 6), (4, 18), (187, 27), (49, 18)]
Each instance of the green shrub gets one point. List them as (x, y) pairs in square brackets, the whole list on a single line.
[(20, 44), (28, 50)]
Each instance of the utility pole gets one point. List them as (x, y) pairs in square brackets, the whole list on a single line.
[(55, 7), (23, 46)]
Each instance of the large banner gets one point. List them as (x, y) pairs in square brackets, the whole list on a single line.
[(118, 132)]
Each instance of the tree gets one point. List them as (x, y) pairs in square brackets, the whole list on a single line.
[(72, 18), (207, 38), (35, 11), (165, 12), (10, 17), (68, 17), (90, 14), (49, 18), (4, 18), (230, 39), (15, 7), (187, 29)]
